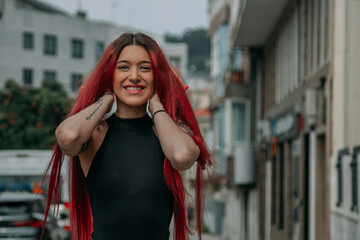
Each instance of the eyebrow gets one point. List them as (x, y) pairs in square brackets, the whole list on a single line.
[(125, 61)]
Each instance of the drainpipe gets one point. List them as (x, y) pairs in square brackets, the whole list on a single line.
[(329, 124)]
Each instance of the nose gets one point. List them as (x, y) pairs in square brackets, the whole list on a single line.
[(134, 77)]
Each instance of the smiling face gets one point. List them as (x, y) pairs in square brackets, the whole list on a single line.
[(133, 80)]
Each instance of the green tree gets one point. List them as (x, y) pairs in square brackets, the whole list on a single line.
[(29, 117), (198, 46)]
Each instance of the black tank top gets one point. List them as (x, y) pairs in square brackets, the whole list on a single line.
[(128, 195)]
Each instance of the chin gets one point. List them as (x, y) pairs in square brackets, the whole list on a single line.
[(135, 104)]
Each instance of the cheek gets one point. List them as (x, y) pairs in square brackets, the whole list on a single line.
[(153, 84)]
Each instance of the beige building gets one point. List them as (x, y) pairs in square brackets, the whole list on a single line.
[(345, 218), (307, 53), (289, 44)]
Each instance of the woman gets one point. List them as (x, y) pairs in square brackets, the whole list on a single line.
[(125, 181)]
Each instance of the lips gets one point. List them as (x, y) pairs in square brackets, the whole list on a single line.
[(134, 89)]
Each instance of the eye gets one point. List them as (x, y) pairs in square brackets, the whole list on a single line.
[(122, 67), (145, 68)]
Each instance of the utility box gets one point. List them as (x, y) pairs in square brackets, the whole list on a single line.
[(244, 164)]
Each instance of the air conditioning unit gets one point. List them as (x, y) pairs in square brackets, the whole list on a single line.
[(244, 164)]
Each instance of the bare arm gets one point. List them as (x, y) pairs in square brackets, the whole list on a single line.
[(73, 133), (176, 144)]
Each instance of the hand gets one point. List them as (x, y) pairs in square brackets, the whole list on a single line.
[(155, 104), (106, 96)]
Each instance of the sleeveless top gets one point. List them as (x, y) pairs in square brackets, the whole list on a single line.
[(126, 186)]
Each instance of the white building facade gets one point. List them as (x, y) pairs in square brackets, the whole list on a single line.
[(39, 41)]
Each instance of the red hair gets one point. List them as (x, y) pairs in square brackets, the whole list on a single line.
[(174, 98)]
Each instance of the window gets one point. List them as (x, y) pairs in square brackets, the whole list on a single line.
[(218, 119), (354, 180), (302, 41), (50, 45), (28, 40), (77, 48), (75, 81), (37, 207), (49, 75), (309, 37), (239, 123), (295, 157), (27, 76), (281, 197), (175, 62), (99, 50), (274, 187), (339, 168)]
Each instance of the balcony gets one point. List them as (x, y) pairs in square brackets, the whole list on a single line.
[(256, 21)]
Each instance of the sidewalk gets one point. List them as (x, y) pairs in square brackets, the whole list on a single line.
[(203, 237), (210, 237), (206, 237)]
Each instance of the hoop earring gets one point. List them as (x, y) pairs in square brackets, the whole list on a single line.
[(148, 108), (112, 111)]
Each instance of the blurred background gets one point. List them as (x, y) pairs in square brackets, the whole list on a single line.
[(275, 86)]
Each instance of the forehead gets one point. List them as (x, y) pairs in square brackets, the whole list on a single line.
[(134, 53)]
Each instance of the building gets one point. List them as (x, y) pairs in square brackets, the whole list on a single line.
[(306, 53), (345, 116), (23, 170), (39, 41), (291, 45), (232, 207)]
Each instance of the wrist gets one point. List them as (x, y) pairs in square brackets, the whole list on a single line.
[(158, 111), (108, 99), (156, 107)]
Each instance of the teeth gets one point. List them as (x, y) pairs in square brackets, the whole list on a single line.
[(134, 88)]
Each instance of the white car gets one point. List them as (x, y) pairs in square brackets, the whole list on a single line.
[(63, 220)]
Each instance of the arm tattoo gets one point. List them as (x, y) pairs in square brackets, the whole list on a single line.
[(61, 148), (184, 127), (100, 102), (85, 146)]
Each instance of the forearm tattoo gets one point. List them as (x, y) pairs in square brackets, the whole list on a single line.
[(184, 127), (62, 149), (84, 146), (100, 102)]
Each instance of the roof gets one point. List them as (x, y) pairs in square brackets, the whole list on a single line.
[(42, 6)]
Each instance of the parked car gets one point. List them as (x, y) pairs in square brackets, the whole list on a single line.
[(63, 219), (22, 215)]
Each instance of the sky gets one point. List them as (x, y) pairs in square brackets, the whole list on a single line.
[(157, 16)]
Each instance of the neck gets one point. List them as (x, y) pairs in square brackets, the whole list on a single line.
[(125, 111)]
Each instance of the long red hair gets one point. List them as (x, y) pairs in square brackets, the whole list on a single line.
[(175, 100)]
